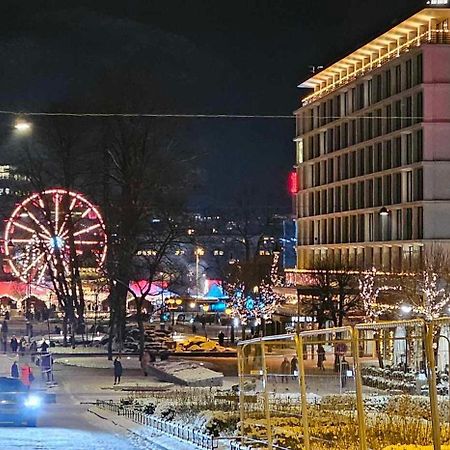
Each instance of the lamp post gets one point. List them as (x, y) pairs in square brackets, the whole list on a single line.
[(198, 252), (448, 381)]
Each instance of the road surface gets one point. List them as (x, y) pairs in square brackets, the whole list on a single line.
[(67, 425)]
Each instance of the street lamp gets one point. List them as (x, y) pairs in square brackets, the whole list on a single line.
[(406, 309), (383, 212), (22, 126), (198, 252)]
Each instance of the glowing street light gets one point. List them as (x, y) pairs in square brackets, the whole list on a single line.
[(22, 126), (406, 309), (198, 252)]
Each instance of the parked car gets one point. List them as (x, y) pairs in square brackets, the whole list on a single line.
[(17, 404)]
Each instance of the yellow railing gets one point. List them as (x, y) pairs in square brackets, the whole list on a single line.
[(294, 379)]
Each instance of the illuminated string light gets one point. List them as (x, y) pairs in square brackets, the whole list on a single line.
[(262, 303)]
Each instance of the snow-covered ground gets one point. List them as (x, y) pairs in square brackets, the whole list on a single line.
[(98, 362)]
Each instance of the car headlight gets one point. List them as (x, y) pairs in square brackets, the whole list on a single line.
[(33, 401)]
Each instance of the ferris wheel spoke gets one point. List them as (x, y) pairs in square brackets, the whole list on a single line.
[(24, 227), (41, 274), (87, 230), (33, 263), (36, 221), (86, 212), (19, 241), (56, 211)]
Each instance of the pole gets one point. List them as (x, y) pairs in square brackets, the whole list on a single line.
[(302, 383), (432, 385), (241, 365), (359, 391), (266, 397), (95, 315), (448, 392), (298, 312), (196, 272)]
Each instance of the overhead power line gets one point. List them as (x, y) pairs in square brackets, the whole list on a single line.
[(198, 116), (151, 115)]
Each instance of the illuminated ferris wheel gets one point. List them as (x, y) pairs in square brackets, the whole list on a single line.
[(47, 228)]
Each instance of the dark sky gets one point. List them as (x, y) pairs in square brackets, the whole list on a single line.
[(207, 56)]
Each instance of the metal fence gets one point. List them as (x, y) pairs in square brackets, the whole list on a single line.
[(173, 429), (337, 378)]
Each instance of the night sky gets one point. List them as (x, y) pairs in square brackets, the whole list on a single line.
[(205, 56)]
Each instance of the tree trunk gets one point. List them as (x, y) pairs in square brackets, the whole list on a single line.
[(140, 322), (378, 350), (64, 325)]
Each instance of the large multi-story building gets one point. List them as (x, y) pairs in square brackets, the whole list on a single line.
[(373, 150)]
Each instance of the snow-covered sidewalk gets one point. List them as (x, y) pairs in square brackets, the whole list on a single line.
[(157, 440), (98, 362)]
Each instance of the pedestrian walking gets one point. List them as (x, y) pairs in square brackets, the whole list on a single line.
[(221, 338), (4, 332), (22, 344), (14, 344), (320, 357), (46, 362), (117, 370), (344, 368), (44, 347), (26, 375), (285, 370), (7, 315), (294, 366), (145, 362), (33, 351), (14, 370)]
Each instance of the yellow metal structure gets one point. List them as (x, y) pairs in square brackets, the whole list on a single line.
[(352, 341)]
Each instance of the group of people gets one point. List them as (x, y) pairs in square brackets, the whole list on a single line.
[(24, 373), (16, 345), (289, 368)]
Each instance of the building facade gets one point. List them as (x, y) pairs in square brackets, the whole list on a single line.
[(373, 150)]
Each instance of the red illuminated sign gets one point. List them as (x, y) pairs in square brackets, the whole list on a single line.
[(293, 183)]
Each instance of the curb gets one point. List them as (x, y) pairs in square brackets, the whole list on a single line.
[(154, 445)]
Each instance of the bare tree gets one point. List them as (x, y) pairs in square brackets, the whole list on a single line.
[(337, 295)]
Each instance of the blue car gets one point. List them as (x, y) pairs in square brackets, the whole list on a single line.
[(18, 405)]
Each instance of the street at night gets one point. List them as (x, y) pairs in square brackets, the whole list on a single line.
[(225, 225)]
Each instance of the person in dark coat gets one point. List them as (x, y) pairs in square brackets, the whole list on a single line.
[(294, 366), (22, 344), (7, 316), (117, 370), (320, 357), (14, 344), (44, 347), (285, 369), (14, 370), (221, 338), (33, 351)]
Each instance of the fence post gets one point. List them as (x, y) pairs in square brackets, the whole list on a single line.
[(429, 327), (266, 396), (359, 391), (241, 356), (302, 383)]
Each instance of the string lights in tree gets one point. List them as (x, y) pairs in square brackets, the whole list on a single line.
[(434, 299), (259, 303), (369, 292), (430, 299)]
